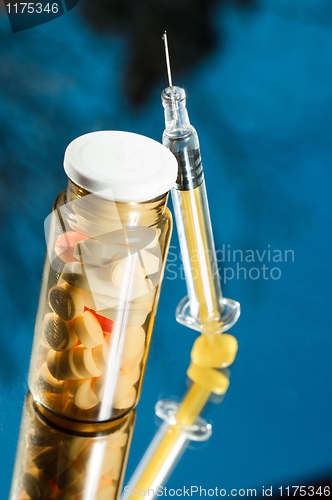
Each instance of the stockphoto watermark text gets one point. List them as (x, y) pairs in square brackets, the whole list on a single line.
[(231, 263), (264, 491)]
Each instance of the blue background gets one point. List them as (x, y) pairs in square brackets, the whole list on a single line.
[(263, 111)]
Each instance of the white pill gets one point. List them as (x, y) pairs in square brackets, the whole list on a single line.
[(151, 262), (131, 313), (96, 253), (149, 296), (99, 280), (155, 239), (128, 273)]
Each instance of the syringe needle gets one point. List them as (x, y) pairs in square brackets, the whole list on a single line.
[(164, 37)]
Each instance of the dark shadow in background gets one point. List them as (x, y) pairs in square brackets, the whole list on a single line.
[(191, 36)]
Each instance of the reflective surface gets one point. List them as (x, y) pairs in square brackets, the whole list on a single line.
[(77, 462)]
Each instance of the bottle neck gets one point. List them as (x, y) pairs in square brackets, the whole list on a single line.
[(145, 213), (176, 116)]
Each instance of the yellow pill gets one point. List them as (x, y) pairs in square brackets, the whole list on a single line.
[(134, 341), (123, 385), (113, 467), (89, 299), (129, 365), (66, 301), (50, 383), (78, 486), (100, 355), (84, 363), (75, 446), (61, 365), (214, 350), (69, 476), (35, 484), (128, 401), (111, 459), (43, 436), (107, 458), (54, 469), (88, 330), (134, 376), (73, 273), (117, 440), (46, 456), (106, 491), (212, 380), (83, 395), (66, 495)]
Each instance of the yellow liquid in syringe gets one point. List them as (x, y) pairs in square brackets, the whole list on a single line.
[(200, 252)]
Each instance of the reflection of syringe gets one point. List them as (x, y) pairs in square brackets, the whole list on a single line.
[(204, 310)]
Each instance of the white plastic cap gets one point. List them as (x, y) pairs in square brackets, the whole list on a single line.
[(121, 166)]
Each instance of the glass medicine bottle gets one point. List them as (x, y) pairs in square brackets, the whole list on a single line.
[(107, 244)]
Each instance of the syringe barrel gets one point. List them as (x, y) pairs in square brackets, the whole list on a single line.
[(192, 214)]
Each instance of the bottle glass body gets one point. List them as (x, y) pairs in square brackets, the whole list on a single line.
[(103, 270)]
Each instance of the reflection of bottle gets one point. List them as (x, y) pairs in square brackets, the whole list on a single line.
[(108, 237), (80, 461)]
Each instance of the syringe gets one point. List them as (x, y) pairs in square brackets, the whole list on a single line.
[(205, 310)]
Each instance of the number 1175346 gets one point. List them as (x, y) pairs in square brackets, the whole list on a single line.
[(310, 491), (32, 8)]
